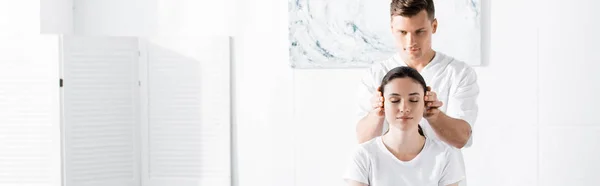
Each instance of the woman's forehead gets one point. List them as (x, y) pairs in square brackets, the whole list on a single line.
[(403, 86)]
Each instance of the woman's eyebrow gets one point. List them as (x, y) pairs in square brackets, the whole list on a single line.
[(411, 94)]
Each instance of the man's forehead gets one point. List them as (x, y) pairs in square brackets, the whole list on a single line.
[(412, 25)]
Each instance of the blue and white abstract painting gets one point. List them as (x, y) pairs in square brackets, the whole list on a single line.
[(356, 33)]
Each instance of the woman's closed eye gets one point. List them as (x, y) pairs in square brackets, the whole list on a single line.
[(414, 100)]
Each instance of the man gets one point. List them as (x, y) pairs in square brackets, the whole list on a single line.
[(452, 99)]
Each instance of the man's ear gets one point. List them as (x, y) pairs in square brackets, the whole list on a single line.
[(434, 25)]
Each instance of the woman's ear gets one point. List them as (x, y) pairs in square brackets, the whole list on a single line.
[(434, 25)]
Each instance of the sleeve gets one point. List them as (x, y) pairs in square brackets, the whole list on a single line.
[(365, 89), (452, 172), (462, 103), (359, 167)]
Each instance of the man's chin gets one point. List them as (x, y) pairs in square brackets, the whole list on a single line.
[(414, 56)]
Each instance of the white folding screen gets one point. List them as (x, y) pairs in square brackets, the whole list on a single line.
[(148, 112), (186, 131), (30, 147), (101, 111)]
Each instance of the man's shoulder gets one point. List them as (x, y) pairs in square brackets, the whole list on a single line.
[(381, 67), (456, 66)]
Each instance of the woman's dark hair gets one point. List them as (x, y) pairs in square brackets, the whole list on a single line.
[(403, 72)]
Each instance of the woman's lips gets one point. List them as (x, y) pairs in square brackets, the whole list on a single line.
[(404, 118)]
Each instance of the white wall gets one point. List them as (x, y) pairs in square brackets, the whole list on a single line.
[(56, 16), (151, 17), (114, 17), (193, 17), (19, 17), (569, 142), (263, 97)]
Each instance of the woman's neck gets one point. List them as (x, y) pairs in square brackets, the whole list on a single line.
[(405, 145)]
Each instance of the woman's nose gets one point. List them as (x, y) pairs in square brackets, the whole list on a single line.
[(404, 107)]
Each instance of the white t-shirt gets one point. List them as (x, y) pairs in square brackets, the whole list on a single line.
[(436, 165), (454, 82)]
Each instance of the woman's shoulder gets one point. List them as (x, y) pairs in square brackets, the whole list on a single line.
[(368, 148), (370, 145)]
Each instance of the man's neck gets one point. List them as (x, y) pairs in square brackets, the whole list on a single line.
[(403, 143), (422, 62)]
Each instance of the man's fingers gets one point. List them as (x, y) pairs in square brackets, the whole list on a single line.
[(435, 104), (377, 105), (378, 111), (431, 112), (432, 94), (376, 99), (430, 98)]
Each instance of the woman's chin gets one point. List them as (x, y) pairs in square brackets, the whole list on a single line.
[(403, 124)]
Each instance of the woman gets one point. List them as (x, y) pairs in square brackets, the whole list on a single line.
[(403, 156)]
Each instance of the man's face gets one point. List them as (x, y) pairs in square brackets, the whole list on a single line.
[(412, 35)]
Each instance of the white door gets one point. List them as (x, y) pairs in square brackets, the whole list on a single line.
[(29, 111), (186, 124), (101, 111)]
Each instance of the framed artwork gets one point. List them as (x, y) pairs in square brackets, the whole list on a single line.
[(356, 33)]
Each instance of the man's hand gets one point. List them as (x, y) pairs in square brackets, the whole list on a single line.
[(371, 125), (377, 104), (432, 105)]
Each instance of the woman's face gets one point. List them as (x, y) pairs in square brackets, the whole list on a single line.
[(404, 105)]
